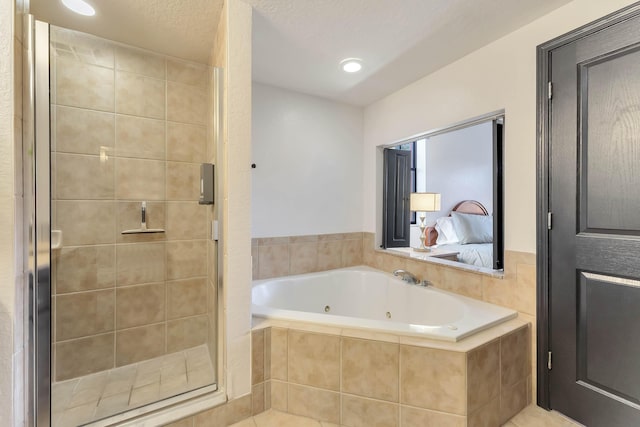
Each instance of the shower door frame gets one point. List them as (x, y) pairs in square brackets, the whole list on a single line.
[(37, 251), (37, 216)]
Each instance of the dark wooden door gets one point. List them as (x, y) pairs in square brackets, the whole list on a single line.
[(397, 187), (594, 241)]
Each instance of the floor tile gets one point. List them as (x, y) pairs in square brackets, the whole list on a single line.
[(280, 419), (107, 393), (534, 416)]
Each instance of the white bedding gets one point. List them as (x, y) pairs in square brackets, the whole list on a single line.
[(478, 254)]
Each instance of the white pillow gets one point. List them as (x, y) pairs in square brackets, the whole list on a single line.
[(473, 228), (446, 231)]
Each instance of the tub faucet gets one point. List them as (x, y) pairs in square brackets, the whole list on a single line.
[(407, 277)]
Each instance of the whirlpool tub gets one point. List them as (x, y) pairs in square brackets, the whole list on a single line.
[(362, 297)]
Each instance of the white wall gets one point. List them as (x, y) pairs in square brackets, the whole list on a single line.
[(459, 166), (308, 153), (499, 75)]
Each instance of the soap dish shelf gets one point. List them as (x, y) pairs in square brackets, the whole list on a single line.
[(143, 225)]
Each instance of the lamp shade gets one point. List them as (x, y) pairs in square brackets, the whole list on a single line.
[(424, 202)]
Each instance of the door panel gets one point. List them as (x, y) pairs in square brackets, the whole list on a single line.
[(610, 127), (594, 245), (397, 187), (604, 304)]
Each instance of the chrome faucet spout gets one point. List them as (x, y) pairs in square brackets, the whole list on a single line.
[(406, 276)]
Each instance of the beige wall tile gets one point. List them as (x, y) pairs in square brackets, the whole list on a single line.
[(83, 131), (85, 313), (370, 368), (352, 253), (487, 415), (138, 179), (279, 395), (513, 399), (329, 254), (185, 422), (139, 62), (186, 333), (139, 263), (314, 359), (257, 356), (258, 398), (413, 417), (140, 305), (84, 177), (79, 84), (83, 356), (460, 282), (303, 258), (359, 412), (186, 298), (279, 358), (515, 356), (314, 403), (186, 259), (140, 137), (137, 344), (304, 239), (89, 49), (186, 143), (188, 73), (130, 218), (483, 375), (433, 379), (238, 409), (186, 221), (268, 241), (212, 417), (139, 95), (86, 222), (186, 104), (183, 181), (85, 268), (273, 261), (254, 263)]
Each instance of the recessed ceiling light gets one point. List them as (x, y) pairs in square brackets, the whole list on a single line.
[(80, 7), (351, 65)]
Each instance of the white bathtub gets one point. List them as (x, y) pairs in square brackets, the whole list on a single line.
[(362, 297)]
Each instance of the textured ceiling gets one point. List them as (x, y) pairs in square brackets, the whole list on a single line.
[(181, 28), (298, 44)]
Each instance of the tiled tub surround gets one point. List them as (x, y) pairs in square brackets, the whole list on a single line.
[(516, 289), (128, 126), (284, 256), (360, 378)]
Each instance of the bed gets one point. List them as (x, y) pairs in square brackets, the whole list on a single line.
[(467, 230)]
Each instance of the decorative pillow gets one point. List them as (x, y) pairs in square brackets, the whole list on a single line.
[(446, 231), (473, 228)]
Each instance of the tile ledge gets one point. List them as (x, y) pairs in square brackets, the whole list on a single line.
[(470, 343), (415, 256)]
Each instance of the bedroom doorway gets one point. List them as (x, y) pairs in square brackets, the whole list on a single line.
[(588, 229), (461, 162)]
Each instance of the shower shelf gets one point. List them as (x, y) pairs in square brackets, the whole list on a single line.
[(143, 226)]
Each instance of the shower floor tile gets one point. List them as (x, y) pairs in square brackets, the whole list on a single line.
[(103, 394)]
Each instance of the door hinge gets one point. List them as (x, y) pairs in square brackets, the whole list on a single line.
[(549, 217), (549, 361), (550, 90)]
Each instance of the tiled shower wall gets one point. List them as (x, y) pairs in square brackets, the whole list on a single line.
[(128, 126)]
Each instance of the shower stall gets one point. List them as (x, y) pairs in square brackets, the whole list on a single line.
[(123, 264)]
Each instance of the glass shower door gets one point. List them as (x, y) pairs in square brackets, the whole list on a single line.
[(133, 292)]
